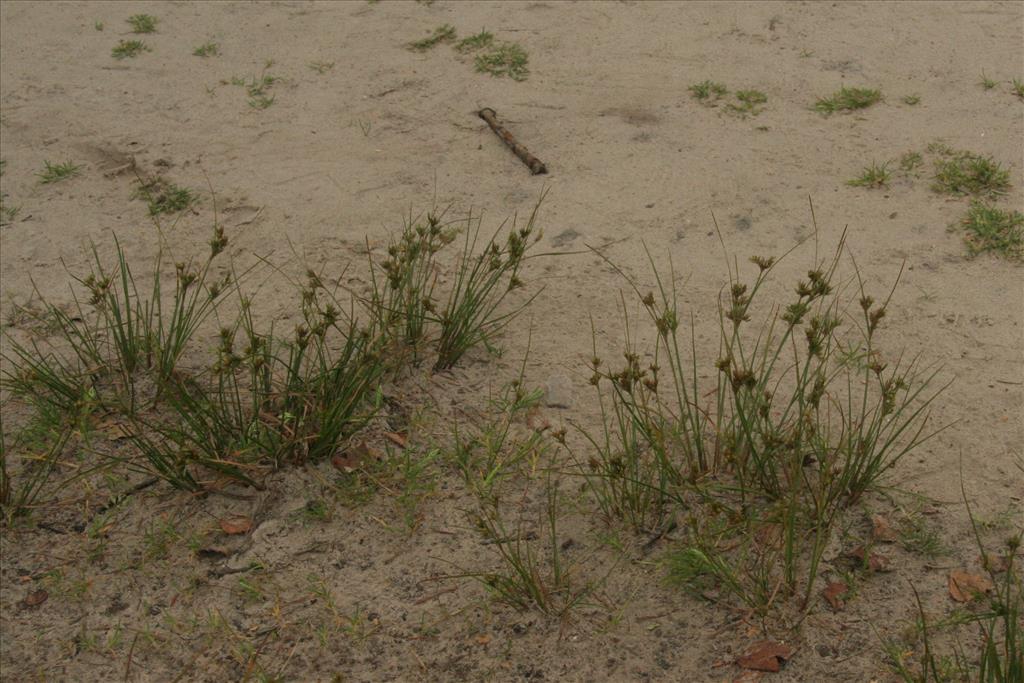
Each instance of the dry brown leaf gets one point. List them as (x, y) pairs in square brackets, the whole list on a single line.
[(35, 598), (483, 639), (873, 561), (834, 593), (765, 655), (963, 587), (396, 438), (881, 530), (236, 525)]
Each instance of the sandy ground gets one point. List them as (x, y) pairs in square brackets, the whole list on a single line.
[(633, 159)]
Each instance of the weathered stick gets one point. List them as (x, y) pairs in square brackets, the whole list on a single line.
[(535, 165)]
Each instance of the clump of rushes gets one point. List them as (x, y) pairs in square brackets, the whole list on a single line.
[(507, 59), (708, 91), (874, 175), (848, 99), (142, 23), (442, 34), (806, 415), (482, 282), (967, 173), (989, 228), (475, 42), (129, 48), (54, 173)]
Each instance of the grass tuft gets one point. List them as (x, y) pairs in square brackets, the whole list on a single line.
[(129, 48), (54, 173), (507, 59), (848, 99), (210, 49), (911, 100), (967, 173), (750, 102), (164, 197), (986, 82), (872, 176), (442, 34), (1018, 87), (991, 229), (708, 91), (142, 23), (475, 42)]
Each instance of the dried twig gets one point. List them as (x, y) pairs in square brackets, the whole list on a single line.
[(535, 165)]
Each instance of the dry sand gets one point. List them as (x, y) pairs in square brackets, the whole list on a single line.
[(342, 155)]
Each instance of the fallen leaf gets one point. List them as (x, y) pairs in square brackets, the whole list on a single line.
[(873, 561), (35, 598), (765, 655), (236, 525), (396, 438), (881, 530), (834, 593), (963, 586), (483, 639)]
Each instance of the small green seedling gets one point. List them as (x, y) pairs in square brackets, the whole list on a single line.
[(142, 23), (911, 100), (1018, 87), (507, 59), (7, 212), (98, 25), (53, 173), (129, 48), (475, 42), (989, 228), (442, 34), (872, 176), (986, 82), (848, 99), (971, 174), (210, 49), (708, 91)]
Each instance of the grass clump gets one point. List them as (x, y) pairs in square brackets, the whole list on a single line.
[(475, 42), (874, 175), (848, 99), (257, 88), (911, 100), (54, 173), (1018, 87), (507, 59), (990, 229), (209, 49), (163, 197), (708, 91), (967, 173), (142, 23), (442, 34), (7, 212), (910, 161), (750, 102), (986, 82), (128, 48)]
